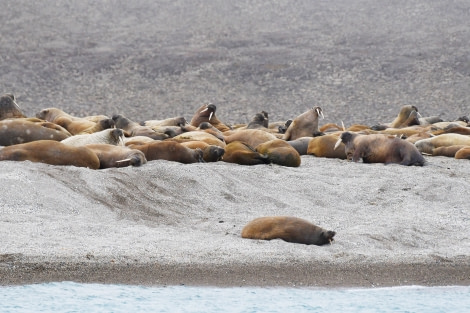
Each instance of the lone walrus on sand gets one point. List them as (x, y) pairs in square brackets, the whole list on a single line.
[(287, 228)]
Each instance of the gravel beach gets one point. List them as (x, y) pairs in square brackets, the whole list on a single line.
[(167, 223)]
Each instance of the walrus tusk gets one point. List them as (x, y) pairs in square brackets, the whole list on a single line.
[(319, 112), (121, 140), (331, 241), (337, 143), (210, 116), (344, 128)]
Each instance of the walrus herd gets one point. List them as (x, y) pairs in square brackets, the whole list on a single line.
[(55, 137)]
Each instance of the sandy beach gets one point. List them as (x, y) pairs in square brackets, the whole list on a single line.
[(167, 223)]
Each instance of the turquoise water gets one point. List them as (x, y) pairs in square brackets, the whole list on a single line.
[(74, 297)]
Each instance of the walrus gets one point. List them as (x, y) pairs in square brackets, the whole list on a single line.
[(301, 144), (252, 137), (287, 228), (210, 153), (463, 153), (75, 125), (206, 113), (241, 153), (379, 148), (260, 120), (172, 121), (447, 151), (304, 125), (51, 152), (279, 152), (117, 156), (18, 130), (9, 108), (427, 145), (324, 147), (170, 151), (199, 136), (132, 128), (112, 136)]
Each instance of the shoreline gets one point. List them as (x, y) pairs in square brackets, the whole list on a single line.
[(363, 275)]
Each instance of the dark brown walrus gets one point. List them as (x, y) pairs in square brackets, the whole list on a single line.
[(378, 148), (51, 152), (170, 151), (287, 228), (19, 130), (304, 125)]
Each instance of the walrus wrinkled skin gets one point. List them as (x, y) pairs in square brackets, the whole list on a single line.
[(279, 152), (287, 228), (378, 148), (9, 108), (304, 125), (51, 152), (170, 151), (117, 156), (19, 130), (112, 136), (241, 153), (206, 113)]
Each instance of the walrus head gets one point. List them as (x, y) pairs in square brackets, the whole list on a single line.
[(9, 108), (209, 111), (319, 112), (345, 138), (327, 237)]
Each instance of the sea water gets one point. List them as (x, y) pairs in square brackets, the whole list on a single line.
[(75, 297)]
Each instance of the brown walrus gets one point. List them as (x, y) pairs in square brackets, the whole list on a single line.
[(112, 136), (210, 153), (287, 228), (206, 113), (132, 128), (279, 152), (170, 151), (324, 147), (463, 153), (427, 145), (304, 125), (75, 125), (378, 148), (241, 153), (9, 108), (19, 130), (117, 156), (51, 152), (447, 151), (252, 137)]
